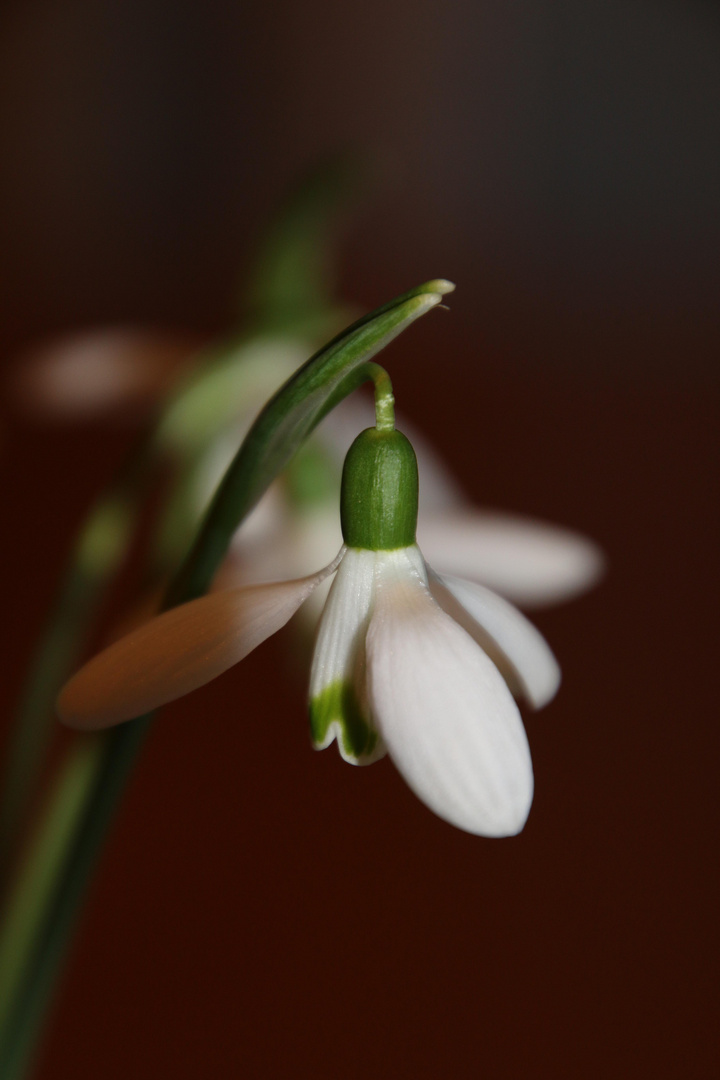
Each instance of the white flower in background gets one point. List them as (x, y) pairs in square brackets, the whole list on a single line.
[(530, 562), (121, 371), (407, 662)]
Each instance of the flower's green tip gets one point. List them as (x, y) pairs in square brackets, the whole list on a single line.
[(335, 713), (426, 296)]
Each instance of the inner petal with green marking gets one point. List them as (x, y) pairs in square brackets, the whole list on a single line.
[(336, 713), (337, 682)]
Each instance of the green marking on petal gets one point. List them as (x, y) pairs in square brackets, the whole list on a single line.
[(338, 703)]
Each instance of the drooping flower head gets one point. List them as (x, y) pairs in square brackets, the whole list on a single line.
[(406, 662), (394, 672)]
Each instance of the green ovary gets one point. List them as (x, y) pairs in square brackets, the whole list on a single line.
[(338, 703), (379, 492)]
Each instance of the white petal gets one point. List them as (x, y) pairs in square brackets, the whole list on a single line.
[(520, 644), (338, 709), (529, 562), (178, 651), (446, 714)]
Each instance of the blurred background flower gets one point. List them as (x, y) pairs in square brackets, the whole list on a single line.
[(560, 162)]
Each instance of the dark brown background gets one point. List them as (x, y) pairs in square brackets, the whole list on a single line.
[(265, 911)]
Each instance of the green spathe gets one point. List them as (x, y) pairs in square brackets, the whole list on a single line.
[(379, 496)]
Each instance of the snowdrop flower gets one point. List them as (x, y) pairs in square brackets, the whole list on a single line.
[(406, 662), (399, 666)]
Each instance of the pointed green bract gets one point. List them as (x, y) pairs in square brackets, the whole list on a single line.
[(338, 704), (287, 420)]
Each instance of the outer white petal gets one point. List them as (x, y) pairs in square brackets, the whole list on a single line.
[(520, 644), (338, 709), (529, 562), (178, 651), (445, 712)]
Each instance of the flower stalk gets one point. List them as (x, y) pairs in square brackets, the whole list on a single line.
[(98, 553), (384, 398)]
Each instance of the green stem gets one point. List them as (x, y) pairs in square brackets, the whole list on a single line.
[(54, 883), (384, 398), (36, 879), (98, 552)]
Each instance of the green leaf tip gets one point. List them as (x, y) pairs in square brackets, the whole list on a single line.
[(437, 285)]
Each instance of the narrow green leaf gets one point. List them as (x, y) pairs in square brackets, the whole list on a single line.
[(287, 420)]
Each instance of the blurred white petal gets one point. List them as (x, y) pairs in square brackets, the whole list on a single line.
[(527, 561), (448, 719), (275, 543), (93, 373), (520, 644), (178, 651)]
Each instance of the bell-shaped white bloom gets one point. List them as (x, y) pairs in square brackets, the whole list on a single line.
[(407, 662), (393, 671)]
